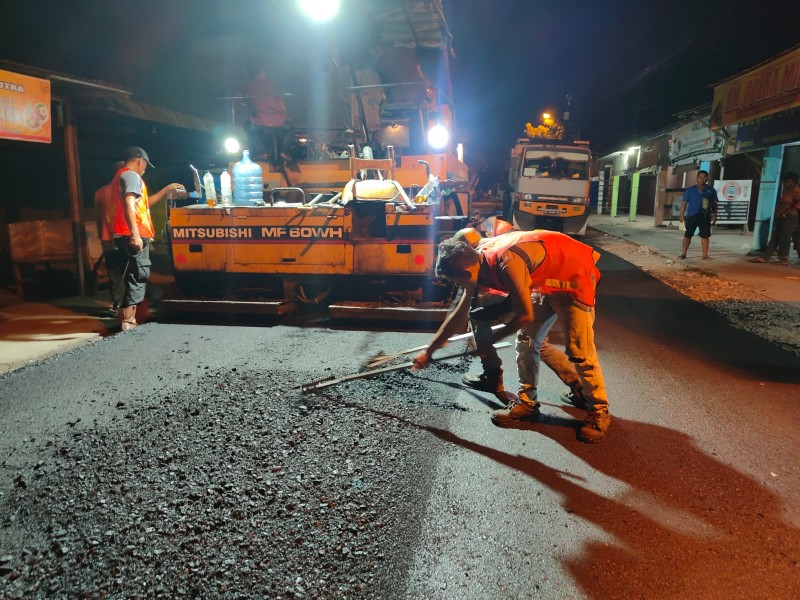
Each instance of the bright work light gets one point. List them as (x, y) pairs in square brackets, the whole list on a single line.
[(232, 145), (438, 136)]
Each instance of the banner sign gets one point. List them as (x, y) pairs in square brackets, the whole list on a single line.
[(24, 108), (734, 201), (770, 88), (694, 141), (772, 130)]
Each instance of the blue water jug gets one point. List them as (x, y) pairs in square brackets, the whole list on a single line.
[(247, 184)]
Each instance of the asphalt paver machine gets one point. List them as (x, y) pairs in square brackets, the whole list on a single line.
[(355, 234)]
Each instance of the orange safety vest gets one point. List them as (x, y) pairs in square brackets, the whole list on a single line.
[(144, 223), (568, 266)]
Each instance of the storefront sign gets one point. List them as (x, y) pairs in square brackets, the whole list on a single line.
[(759, 92), (24, 108), (694, 141), (734, 201), (772, 130)]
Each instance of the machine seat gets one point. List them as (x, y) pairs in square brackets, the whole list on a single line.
[(381, 190)]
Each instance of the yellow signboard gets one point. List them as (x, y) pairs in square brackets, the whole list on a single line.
[(24, 108), (765, 90)]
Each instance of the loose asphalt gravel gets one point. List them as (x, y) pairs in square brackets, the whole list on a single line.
[(235, 483)]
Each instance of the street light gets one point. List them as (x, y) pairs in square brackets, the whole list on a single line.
[(638, 151), (547, 119), (320, 10)]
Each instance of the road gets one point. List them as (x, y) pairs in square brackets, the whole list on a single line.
[(138, 482)]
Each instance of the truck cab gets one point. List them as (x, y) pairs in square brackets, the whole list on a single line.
[(549, 185)]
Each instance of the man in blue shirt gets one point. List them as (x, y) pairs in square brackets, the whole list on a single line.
[(699, 211)]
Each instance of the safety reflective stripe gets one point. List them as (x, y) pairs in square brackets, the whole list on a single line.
[(562, 285)]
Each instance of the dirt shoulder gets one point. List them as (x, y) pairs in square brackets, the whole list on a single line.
[(740, 304)]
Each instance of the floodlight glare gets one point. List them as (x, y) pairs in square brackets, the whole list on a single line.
[(438, 137), (232, 145), (319, 10)]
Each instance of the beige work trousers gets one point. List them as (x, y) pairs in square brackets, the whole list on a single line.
[(580, 359)]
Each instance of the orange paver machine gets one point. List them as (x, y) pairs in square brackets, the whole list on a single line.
[(353, 233)]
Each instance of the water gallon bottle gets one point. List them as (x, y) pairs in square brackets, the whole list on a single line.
[(247, 184), (211, 193), (225, 189)]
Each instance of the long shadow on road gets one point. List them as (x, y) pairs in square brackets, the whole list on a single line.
[(687, 525)]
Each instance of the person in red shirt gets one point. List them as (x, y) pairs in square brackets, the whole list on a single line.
[(784, 224), (269, 128), (106, 208), (562, 272)]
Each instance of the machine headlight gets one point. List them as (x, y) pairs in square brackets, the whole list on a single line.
[(232, 145), (438, 137)]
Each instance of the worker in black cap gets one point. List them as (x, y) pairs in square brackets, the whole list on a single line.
[(133, 229)]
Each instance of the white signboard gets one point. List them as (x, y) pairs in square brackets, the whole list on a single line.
[(695, 141), (734, 201)]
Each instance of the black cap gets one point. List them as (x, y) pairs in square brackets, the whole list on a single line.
[(136, 152)]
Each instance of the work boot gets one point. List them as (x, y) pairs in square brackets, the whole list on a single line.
[(488, 381), (594, 427), (519, 410), (127, 318), (575, 399)]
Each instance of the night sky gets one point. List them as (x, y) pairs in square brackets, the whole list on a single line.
[(630, 65)]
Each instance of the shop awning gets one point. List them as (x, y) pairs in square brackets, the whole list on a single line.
[(101, 96), (127, 107)]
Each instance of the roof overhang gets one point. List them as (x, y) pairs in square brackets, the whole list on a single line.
[(101, 96)]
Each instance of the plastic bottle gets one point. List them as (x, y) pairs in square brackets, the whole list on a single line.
[(211, 193), (225, 189), (427, 190), (247, 183)]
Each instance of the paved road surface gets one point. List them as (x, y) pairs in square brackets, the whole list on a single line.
[(694, 493)]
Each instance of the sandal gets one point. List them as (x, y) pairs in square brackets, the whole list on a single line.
[(784, 262), (758, 259)]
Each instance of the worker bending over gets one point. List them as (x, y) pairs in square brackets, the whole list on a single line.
[(563, 273)]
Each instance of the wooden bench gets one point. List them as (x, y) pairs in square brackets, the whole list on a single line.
[(37, 247)]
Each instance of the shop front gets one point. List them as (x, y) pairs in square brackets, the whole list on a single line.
[(59, 137), (764, 105)]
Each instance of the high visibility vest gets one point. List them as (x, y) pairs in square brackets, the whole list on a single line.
[(568, 265), (144, 223)]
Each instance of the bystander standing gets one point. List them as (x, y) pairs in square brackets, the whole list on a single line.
[(699, 212)]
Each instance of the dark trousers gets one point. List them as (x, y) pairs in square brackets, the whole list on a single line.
[(781, 239), (115, 267), (136, 271), (270, 141)]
